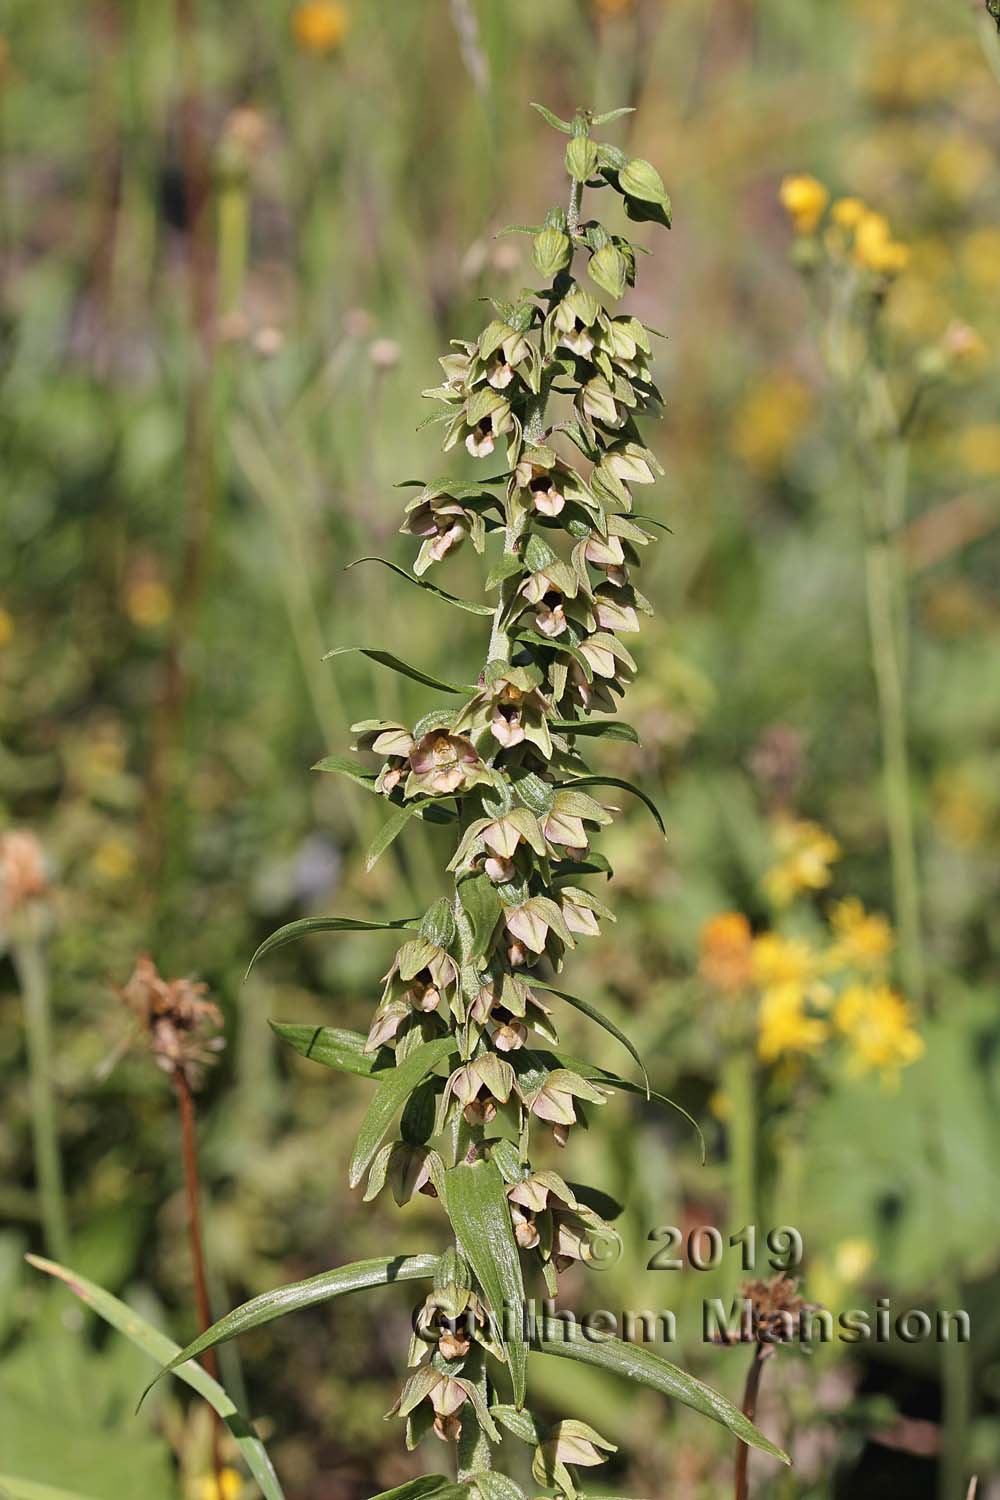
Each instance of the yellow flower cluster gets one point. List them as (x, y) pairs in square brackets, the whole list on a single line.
[(805, 853), (854, 228), (814, 994)]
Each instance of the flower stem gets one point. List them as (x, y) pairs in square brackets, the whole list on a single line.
[(33, 980), (888, 631), (739, 1083), (189, 1152), (749, 1409), (956, 1384)]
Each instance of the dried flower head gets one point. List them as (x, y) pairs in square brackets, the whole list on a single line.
[(772, 1314), (181, 1025)]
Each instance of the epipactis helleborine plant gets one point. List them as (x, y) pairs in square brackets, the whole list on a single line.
[(462, 1049)]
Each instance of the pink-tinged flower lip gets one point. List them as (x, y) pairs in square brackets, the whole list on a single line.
[(550, 618), (443, 760)]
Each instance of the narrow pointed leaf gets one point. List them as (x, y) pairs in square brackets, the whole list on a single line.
[(480, 1216), (390, 830), (292, 931), (359, 1276), (553, 120), (386, 659), (612, 1081), (344, 765), (626, 786), (613, 114), (418, 1489), (598, 729), (333, 1048), (431, 588), (586, 1009), (395, 1087), (163, 1350), (640, 1364)]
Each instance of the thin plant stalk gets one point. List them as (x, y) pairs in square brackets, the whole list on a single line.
[(192, 1190), (739, 1083), (749, 1410), (29, 965)]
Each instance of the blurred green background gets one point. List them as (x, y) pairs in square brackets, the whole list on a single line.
[(233, 242)]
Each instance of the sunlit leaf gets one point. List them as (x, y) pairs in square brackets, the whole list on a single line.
[(430, 588), (395, 1087), (359, 1276), (386, 659), (292, 931), (637, 1363), (480, 1216), (163, 1350)]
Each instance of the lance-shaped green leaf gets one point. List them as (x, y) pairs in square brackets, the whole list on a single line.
[(424, 1488), (390, 830), (480, 1216), (333, 1048), (386, 659), (598, 729), (492, 1485), (163, 1350), (635, 1362), (553, 120), (430, 588), (612, 1081), (395, 1087), (587, 1009), (626, 786), (292, 931), (359, 1276), (344, 765)]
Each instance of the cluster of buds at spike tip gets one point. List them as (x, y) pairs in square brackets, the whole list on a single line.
[(547, 399)]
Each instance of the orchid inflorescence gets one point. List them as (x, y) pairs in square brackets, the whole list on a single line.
[(462, 1048)]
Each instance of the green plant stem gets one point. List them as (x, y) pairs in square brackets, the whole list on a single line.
[(32, 977), (956, 1381), (473, 1449), (739, 1083), (887, 628)]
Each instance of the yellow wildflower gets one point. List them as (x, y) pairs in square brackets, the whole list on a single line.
[(228, 1487), (720, 1105), (726, 946), (772, 416), (785, 1025), (847, 212), (853, 1258), (875, 248), (806, 852), (6, 627), (879, 1030), (319, 26), (778, 960), (803, 198), (862, 939)]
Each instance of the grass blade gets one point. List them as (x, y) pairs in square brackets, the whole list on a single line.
[(163, 1350)]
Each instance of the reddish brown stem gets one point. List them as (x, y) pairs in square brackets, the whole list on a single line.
[(749, 1410), (192, 1187)]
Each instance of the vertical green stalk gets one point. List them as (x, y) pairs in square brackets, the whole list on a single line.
[(956, 1380), (739, 1083), (29, 965), (888, 625)]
